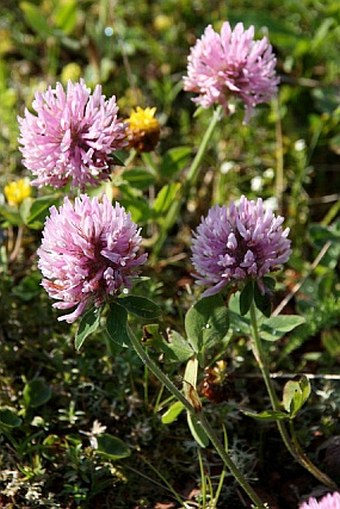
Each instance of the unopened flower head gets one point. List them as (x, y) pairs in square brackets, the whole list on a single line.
[(243, 241), (72, 137), (231, 64), (90, 250), (143, 129), (330, 501), (17, 191)]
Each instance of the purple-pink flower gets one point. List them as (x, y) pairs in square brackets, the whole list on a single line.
[(330, 501), (72, 137), (236, 243), (231, 65), (90, 250)]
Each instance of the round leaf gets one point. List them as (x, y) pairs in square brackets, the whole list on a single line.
[(36, 393), (112, 447), (9, 419), (140, 306), (116, 325)]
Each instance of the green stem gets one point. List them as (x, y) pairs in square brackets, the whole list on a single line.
[(228, 461), (279, 179), (144, 356), (292, 445), (203, 480), (191, 178), (162, 377), (195, 165)]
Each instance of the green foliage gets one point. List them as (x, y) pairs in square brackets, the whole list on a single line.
[(174, 161), (197, 431), (246, 298), (29, 287), (36, 393), (207, 323), (140, 306), (295, 395), (270, 329), (88, 324), (112, 447), (164, 199), (322, 315), (9, 419), (34, 211), (116, 325), (78, 428), (267, 415), (172, 412)]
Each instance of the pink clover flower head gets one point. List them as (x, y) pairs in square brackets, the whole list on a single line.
[(243, 241), (90, 250), (330, 501), (231, 64), (72, 137)]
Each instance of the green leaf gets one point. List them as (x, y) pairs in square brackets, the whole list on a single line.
[(238, 323), (178, 349), (207, 323), (29, 287), (267, 415), (191, 372), (246, 298), (275, 327), (174, 161), (331, 340), (295, 394), (138, 207), (165, 198), (36, 393), (112, 447), (35, 214), (262, 301), (89, 323), (9, 419), (172, 412), (197, 431), (65, 15), (11, 215), (140, 306), (190, 383), (139, 178), (270, 283), (118, 161), (116, 325), (35, 19)]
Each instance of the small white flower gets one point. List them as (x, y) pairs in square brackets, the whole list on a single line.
[(269, 173), (300, 145), (271, 203), (227, 166), (256, 184)]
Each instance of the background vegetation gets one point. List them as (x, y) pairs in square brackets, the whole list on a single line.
[(54, 401)]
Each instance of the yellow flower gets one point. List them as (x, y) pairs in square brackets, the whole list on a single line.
[(71, 72), (163, 22), (17, 191), (143, 129)]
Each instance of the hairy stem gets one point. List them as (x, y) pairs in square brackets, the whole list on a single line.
[(163, 378)]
